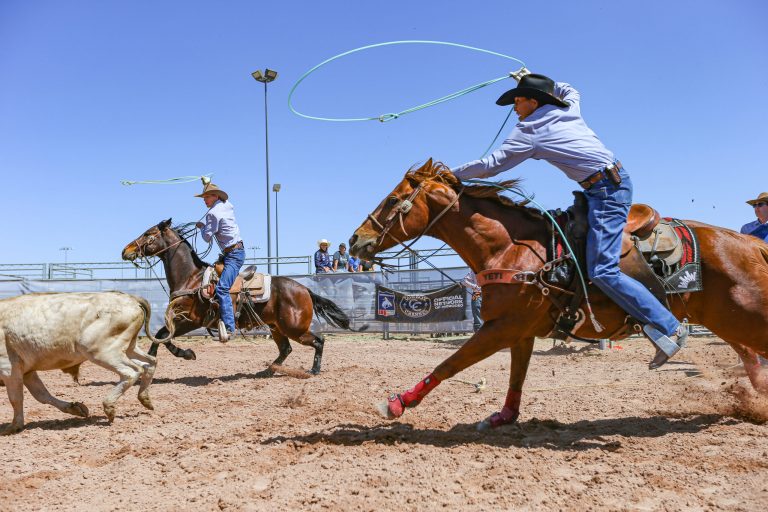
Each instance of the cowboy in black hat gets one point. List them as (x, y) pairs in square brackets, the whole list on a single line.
[(551, 128)]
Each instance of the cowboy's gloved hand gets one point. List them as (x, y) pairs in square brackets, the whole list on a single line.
[(520, 73)]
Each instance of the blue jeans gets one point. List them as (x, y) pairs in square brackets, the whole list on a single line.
[(233, 261), (477, 320), (608, 209)]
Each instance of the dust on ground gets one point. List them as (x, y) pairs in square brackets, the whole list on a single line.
[(597, 431)]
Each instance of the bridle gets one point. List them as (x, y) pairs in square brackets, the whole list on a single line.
[(400, 210)]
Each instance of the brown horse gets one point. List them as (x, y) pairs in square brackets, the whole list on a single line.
[(489, 232), (287, 313)]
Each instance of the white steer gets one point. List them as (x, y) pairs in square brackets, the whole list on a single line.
[(49, 331)]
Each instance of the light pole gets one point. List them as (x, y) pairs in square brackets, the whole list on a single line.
[(253, 248), (268, 76), (66, 252), (276, 189)]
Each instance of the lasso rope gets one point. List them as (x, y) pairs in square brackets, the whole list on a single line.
[(205, 178), (394, 115)]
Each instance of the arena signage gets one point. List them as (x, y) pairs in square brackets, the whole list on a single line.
[(442, 305)]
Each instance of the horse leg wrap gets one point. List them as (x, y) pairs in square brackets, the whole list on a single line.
[(509, 412), (411, 398)]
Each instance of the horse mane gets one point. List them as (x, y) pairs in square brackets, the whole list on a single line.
[(183, 231), (439, 172)]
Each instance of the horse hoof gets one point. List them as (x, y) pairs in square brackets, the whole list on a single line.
[(394, 407), (78, 409), (12, 429), (189, 355), (498, 419), (383, 410)]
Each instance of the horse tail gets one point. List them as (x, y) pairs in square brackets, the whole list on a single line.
[(332, 313)]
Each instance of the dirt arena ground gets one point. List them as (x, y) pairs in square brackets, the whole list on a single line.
[(598, 431)]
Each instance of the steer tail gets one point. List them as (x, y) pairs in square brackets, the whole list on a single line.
[(331, 313), (144, 304)]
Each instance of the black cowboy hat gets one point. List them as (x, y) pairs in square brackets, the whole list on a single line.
[(538, 87)]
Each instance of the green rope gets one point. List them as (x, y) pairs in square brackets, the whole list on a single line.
[(549, 216), (206, 178), (390, 116)]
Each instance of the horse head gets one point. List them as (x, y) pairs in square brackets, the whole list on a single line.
[(407, 212), (152, 242)]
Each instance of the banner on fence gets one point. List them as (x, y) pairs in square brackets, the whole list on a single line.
[(443, 305)]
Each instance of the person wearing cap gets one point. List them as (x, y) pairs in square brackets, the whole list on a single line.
[(551, 128), (220, 224), (758, 227), (323, 262), (341, 259)]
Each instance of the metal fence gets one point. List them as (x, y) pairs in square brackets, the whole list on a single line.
[(353, 292)]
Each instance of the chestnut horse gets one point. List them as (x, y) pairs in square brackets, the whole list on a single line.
[(490, 231), (287, 313)]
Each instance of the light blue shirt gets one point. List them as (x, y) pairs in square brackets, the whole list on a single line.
[(756, 228), (220, 223), (556, 134)]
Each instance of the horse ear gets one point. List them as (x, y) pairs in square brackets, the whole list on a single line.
[(428, 164), (164, 224)]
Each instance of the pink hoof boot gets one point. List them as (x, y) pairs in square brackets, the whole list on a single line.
[(395, 405), (504, 417)]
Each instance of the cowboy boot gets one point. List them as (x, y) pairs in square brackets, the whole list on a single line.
[(666, 346)]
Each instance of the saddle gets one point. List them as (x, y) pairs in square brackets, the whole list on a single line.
[(650, 251), (255, 283)]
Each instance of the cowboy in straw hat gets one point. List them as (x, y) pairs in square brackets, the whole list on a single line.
[(220, 224), (551, 128), (323, 262), (759, 227)]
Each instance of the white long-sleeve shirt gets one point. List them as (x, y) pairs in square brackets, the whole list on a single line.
[(220, 223)]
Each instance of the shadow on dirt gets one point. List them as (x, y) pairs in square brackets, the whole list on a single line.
[(198, 380), (551, 434)]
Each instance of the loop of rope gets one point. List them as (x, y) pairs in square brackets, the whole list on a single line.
[(389, 117)]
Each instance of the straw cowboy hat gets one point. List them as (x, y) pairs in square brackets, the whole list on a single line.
[(762, 198), (538, 87), (210, 188), (323, 241)]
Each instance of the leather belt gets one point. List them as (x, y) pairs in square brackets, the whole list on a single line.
[(238, 245), (599, 175)]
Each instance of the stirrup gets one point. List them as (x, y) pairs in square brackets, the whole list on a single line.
[(223, 334)]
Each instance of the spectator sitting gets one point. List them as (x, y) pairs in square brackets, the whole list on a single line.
[(366, 265), (340, 258), (353, 264), (323, 263)]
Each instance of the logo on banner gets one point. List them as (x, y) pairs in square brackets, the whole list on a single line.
[(386, 303), (415, 306)]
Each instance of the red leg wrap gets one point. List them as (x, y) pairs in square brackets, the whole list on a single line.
[(412, 397), (509, 412)]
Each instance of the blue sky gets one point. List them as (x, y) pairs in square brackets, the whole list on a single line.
[(94, 92)]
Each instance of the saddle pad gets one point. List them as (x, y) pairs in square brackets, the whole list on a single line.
[(259, 287), (687, 277)]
